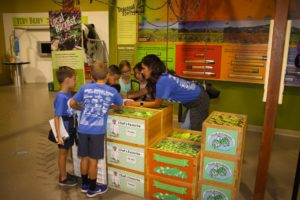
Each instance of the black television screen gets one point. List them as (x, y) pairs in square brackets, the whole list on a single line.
[(44, 48)]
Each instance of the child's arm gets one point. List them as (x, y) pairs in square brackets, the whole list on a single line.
[(151, 104), (74, 104), (57, 127)]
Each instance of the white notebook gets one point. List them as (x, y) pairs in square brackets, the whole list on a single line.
[(63, 132)]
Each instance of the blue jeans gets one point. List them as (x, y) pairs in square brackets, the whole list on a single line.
[(187, 121)]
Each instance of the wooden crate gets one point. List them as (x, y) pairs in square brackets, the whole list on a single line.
[(160, 188), (127, 156), (135, 130), (167, 116), (209, 191), (178, 167), (218, 171), (183, 131), (224, 140), (127, 181)]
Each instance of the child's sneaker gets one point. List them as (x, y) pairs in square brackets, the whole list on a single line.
[(68, 182), (100, 189), (84, 188)]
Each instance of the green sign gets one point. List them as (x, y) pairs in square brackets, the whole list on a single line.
[(37, 21), (126, 129), (30, 21), (221, 141), (211, 192), (126, 181), (218, 170), (159, 50), (126, 156), (73, 59)]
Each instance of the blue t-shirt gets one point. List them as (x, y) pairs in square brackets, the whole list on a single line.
[(61, 106), (96, 101), (175, 89)]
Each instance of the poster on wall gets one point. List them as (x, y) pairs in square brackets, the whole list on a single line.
[(292, 76), (65, 30), (126, 22)]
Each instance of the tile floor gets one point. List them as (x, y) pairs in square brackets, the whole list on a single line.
[(28, 168)]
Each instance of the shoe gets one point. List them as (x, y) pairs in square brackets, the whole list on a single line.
[(84, 188), (72, 177), (100, 189), (68, 182)]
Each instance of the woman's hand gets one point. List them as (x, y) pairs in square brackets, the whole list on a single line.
[(130, 103)]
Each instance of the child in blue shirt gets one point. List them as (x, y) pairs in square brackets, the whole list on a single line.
[(96, 99), (66, 77)]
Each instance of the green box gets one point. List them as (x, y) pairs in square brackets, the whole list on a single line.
[(211, 193), (126, 181), (126, 156), (221, 141), (126, 129), (218, 170)]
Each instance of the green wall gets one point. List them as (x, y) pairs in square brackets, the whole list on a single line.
[(235, 97)]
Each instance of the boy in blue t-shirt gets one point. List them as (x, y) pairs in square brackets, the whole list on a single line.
[(66, 77), (96, 99)]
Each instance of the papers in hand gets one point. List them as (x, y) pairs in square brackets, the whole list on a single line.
[(63, 132)]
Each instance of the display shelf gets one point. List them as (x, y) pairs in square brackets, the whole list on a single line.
[(161, 188), (185, 135), (127, 181), (126, 156), (224, 134), (174, 166), (167, 116), (143, 130)]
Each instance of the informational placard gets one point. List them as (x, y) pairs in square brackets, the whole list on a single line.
[(126, 181), (126, 156), (126, 129), (126, 22), (126, 52), (165, 53), (292, 76), (30, 21), (218, 170), (73, 59), (198, 61)]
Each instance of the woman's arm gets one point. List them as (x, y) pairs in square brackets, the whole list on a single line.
[(150, 104)]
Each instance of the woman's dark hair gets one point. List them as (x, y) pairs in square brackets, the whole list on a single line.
[(155, 64), (123, 64), (114, 69)]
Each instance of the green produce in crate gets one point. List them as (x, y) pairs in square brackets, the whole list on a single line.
[(178, 147), (225, 119), (166, 196), (170, 172), (186, 136), (135, 113)]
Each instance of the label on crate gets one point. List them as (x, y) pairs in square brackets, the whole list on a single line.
[(126, 181), (221, 141), (125, 156), (218, 170), (160, 195), (126, 129), (213, 193)]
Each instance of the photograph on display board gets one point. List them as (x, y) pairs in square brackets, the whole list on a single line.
[(293, 66), (65, 30)]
